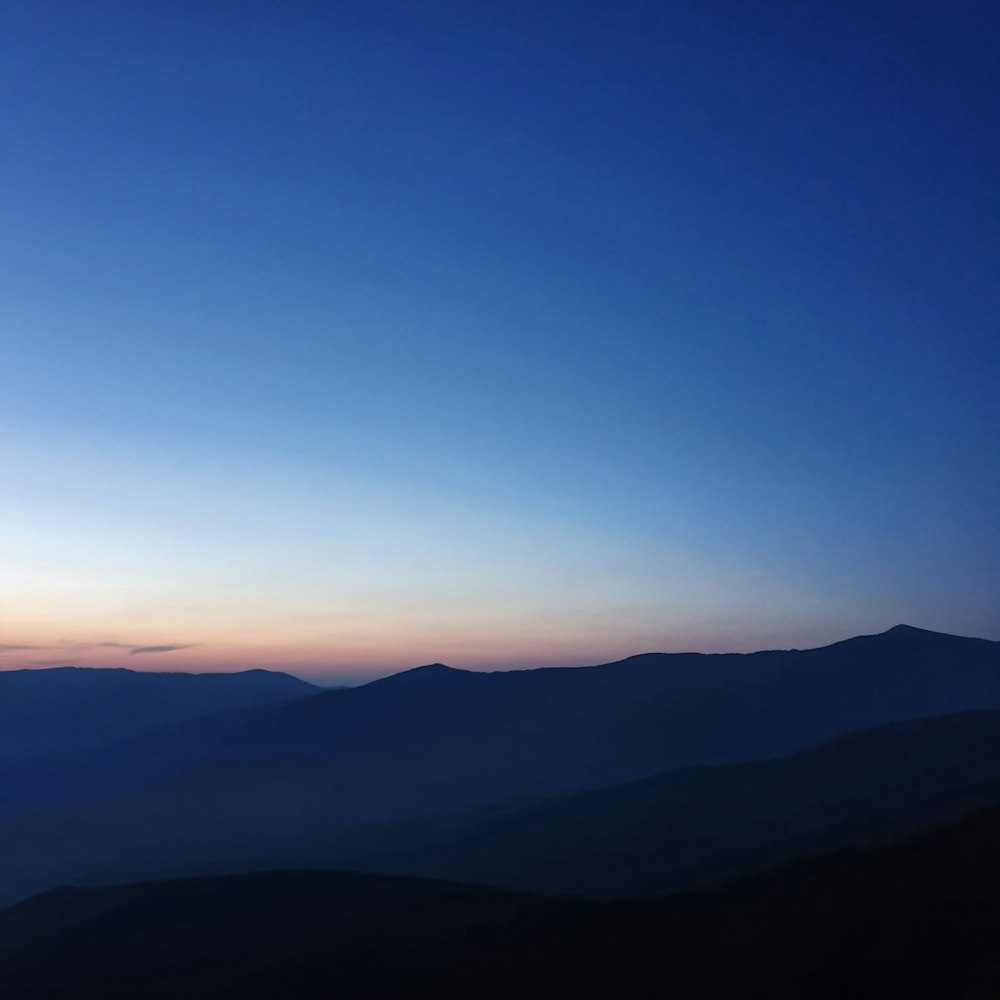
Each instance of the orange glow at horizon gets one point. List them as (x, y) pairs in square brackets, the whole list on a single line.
[(363, 655)]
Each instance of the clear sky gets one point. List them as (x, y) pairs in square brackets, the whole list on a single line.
[(341, 337)]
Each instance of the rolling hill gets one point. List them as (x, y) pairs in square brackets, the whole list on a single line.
[(914, 920)]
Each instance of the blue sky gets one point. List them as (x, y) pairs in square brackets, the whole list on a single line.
[(348, 336)]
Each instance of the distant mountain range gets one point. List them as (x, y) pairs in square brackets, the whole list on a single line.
[(75, 708), (620, 778), (548, 731)]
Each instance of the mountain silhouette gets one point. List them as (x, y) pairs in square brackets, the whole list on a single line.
[(248, 789), (546, 730)]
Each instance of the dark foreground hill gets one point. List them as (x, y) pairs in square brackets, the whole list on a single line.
[(916, 920), (256, 935), (73, 708)]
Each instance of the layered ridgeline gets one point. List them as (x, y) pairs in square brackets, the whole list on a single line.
[(696, 825), (441, 771), (916, 920), (65, 732), (74, 709), (463, 737)]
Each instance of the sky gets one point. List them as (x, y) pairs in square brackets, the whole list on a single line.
[(343, 337)]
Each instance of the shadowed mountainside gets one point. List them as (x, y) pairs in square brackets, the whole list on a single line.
[(916, 920), (694, 825), (685, 827)]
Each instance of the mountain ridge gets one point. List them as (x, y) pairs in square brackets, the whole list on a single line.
[(436, 741), (895, 632), (58, 709)]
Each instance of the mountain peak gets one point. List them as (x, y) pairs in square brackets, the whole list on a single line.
[(420, 675), (911, 635)]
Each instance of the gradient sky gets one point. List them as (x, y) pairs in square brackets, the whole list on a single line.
[(341, 337)]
